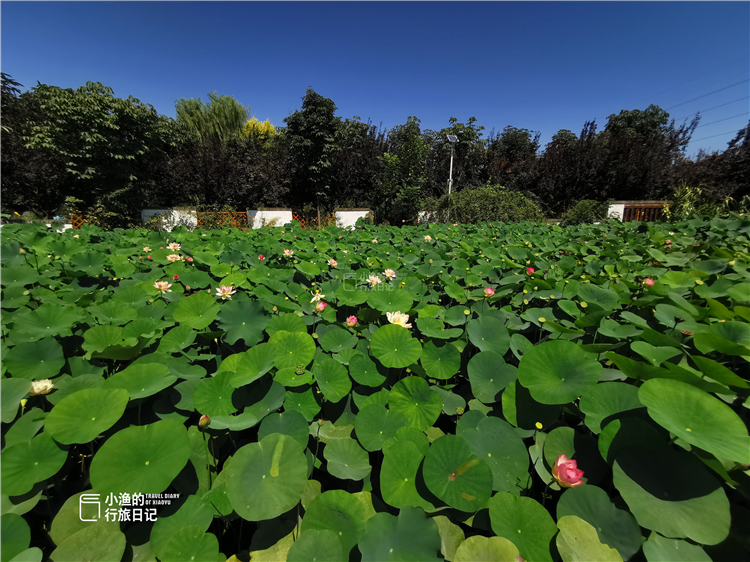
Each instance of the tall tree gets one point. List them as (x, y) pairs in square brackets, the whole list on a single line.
[(311, 137), (219, 120), (511, 157)]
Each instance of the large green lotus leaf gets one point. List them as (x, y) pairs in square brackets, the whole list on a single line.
[(398, 474), (399, 300), (697, 417), (719, 372), (578, 542), (579, 446), (15, 535), (374, 424), (213, 395), (394, 347), (332, 377), (193, 513), (249, 366), (49, 320), (338, 339), (290, 423), (197, 311), (26, 427), (455, 475), (303, 400), (83, 415), (655, 355), (12, 391), (604, 299), (35, 360), (409, 536), (25, 464), (451, 536), (673, 493), (730, 338), (522, 411), (292, 349), (191, 543), (347, 460), (558, 372), (340, 512), (413, 397), (107, 342), (289, 377), (489, 374), (482, 549), (498, 443), (74, 516), (525, 523), (21, 505), (20, 275), (267, 478), (142, 379), (365, 371), (145, 458), (440, 362), (92, 263), (243, 320), (309, 269), (614, 527), (177, 339), (98, 542), (316, 545), (348, 295), (16, 296), (328, 432), (662, 549), (627, 432), (607, 399), (113, 312), (267, 397), (489, 334), (451, 401)]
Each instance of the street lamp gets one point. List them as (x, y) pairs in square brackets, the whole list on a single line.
[(452, 139)]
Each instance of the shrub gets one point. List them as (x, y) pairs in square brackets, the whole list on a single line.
[(689, 201), (486, 204), (586, 211)]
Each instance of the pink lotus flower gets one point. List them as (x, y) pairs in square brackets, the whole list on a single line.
[(175, 277), (174, 257), (225, 292), (332, 262), (390, 274), (162, 286), (288, 253), (669, 241), (261, 257), (189, 259), (648, 282), (321, 306), (174, 246), (351, 321), (530, 270), (149, 256), (146, 249), (488, 292), (566, 472), (374, 280)]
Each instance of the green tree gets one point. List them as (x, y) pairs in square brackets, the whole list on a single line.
[(356, 162), (109, 144), (219, 120), (311, 138), (469, 157), (511, 157)]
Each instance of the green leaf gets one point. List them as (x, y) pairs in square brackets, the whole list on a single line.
[(145, 458), (398, 300), (489, 334), (267, 478), (607, 399), (615, 527), (243, 320), (83, 415), (451, 536), (489, 375), (292, 349), (697, 417), (348, 295), (49, 320), (394, 347), (213, 395), (575, 445), (398, 473), (338, 339), (481, 549), (142, 379), (316, 544), (525, 523), (655, 355), (15, 535), (36, 360), (456, 476), (193, 513), (267, 399), (12, 391), (603, 299), (340, 512), (197, 311), (673, 493), (440, 362), (290, 423), (413, 397), (96, 543), (375, 424), (365, 371), (730, 338), (24, 464), (332, 378), (662, 549), (409, 536), (249, 366), (558, 372), (347, 460), (578, 542)]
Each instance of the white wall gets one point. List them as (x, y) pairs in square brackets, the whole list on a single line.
[(349, 218), (616, 210), (260, 217), (173, 217)]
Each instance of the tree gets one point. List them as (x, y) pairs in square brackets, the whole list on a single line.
[(359, 146), (221, 119), (511, 157), (311, 138), (109, 144)]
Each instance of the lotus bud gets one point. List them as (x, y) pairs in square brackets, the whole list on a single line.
[(204, 422), (321, 306), (351, 321), (320, 422), (24, 402), (648, 282), (566, 472), (530, 270), (488, 292), (40, 387)]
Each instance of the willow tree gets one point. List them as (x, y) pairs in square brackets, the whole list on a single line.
[(221, 119)]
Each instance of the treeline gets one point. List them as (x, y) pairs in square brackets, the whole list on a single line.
[(109, 157)]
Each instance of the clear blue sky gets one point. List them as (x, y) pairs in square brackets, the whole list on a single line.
[(542, 66)]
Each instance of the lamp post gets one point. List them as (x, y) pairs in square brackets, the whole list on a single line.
[(452, 139)]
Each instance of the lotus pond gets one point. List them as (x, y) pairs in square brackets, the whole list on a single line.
[(443, 392)]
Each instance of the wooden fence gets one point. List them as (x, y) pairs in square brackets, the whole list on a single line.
[(326, 220), (76, 220), (234, 219)]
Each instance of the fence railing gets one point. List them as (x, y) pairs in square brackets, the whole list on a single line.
[(77, 220), (643, 213), (233, 219)]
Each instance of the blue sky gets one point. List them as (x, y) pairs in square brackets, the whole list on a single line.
[(542, 66)]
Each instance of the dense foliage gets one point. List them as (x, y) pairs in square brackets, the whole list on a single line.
[(468, 393), (119, 155)]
